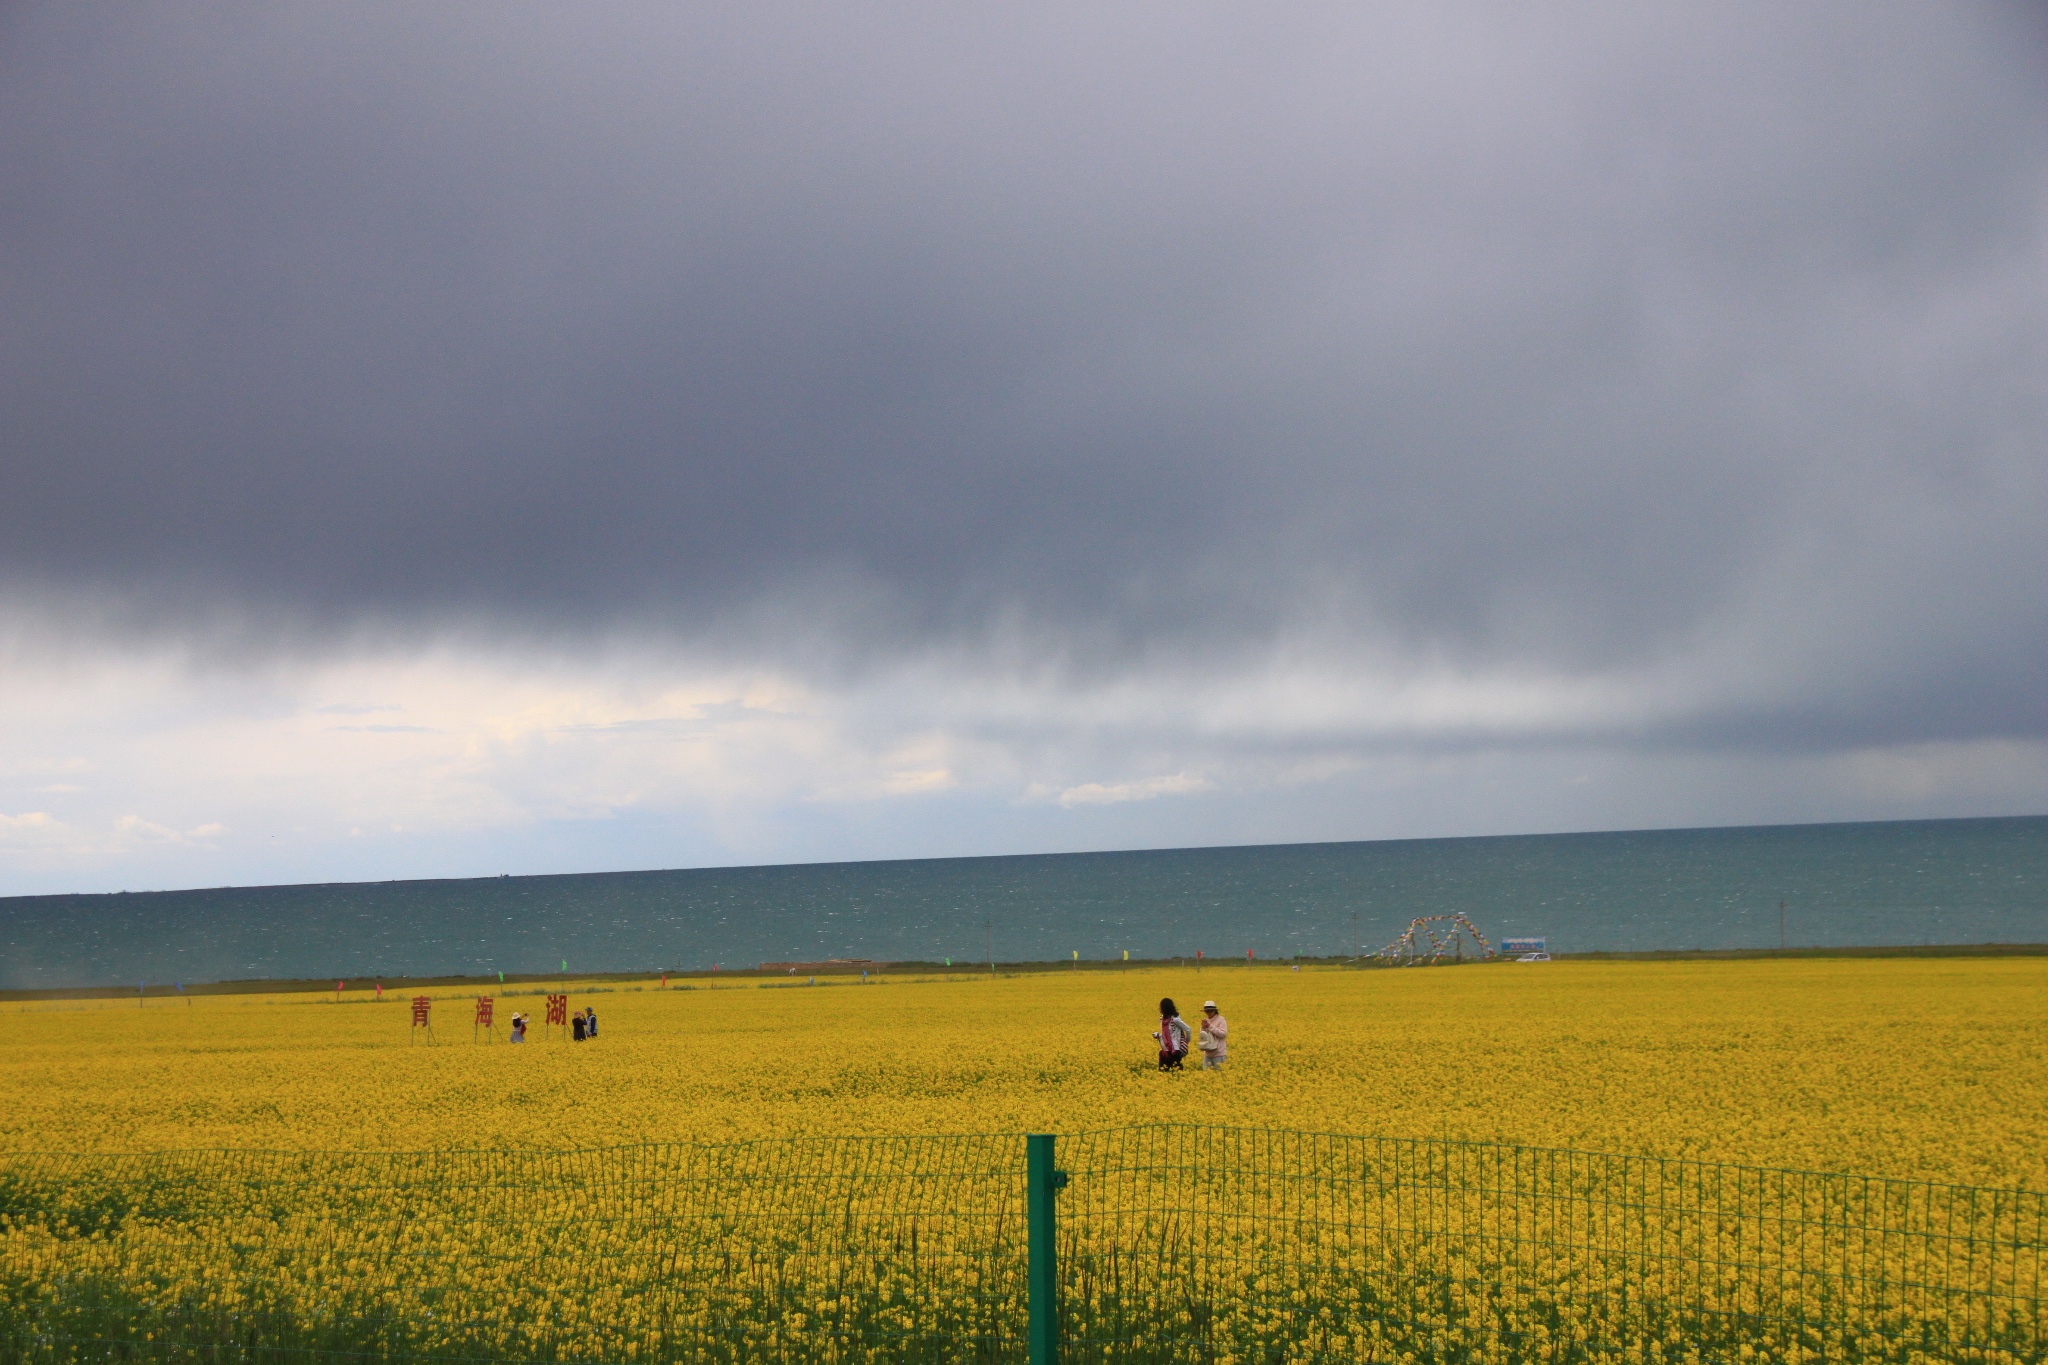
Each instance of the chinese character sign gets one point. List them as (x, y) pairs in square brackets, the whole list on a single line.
[(558, 1009), (420, 1005), (484, 1006)]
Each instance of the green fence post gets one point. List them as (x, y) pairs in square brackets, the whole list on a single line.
[(1041, 1180)]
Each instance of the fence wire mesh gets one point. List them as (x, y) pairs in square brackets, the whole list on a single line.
[(1204, 1244), (1175, 1244), (849, 1249)]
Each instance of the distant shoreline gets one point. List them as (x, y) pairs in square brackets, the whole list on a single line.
[(162, 990)]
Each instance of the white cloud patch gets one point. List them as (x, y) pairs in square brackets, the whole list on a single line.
[(131, 830), (1145, 789), (35, 824), (923, 780)]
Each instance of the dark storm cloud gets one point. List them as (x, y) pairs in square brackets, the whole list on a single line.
[(1564, 340)]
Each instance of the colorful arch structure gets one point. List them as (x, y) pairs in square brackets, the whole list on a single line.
[(1433, 939)]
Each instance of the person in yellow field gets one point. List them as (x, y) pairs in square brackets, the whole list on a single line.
[(1215, 1039), (1172, 1036)]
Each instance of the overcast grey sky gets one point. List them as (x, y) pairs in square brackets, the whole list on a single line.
[(450, 439)]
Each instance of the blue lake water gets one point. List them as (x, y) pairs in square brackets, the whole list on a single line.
[(1903, 882)]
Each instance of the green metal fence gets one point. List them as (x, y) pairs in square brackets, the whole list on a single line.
[(1192, 1243), (1161, 1243)]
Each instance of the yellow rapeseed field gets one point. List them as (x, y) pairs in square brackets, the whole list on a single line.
[(695, 1185), (1931, 1068)]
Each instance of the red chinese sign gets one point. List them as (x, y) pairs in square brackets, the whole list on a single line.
[(484, 1005), (558, 1009), (420, 1005)]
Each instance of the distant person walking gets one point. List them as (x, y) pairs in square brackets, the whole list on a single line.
[(1172, 1036), (576, 1026), (1215, 1040)]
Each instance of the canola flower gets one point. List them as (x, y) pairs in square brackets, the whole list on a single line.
[(1188, 1242), (1178, 1243), (1927, 1068)]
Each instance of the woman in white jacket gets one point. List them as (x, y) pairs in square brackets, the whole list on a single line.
[(1215, 1037)]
